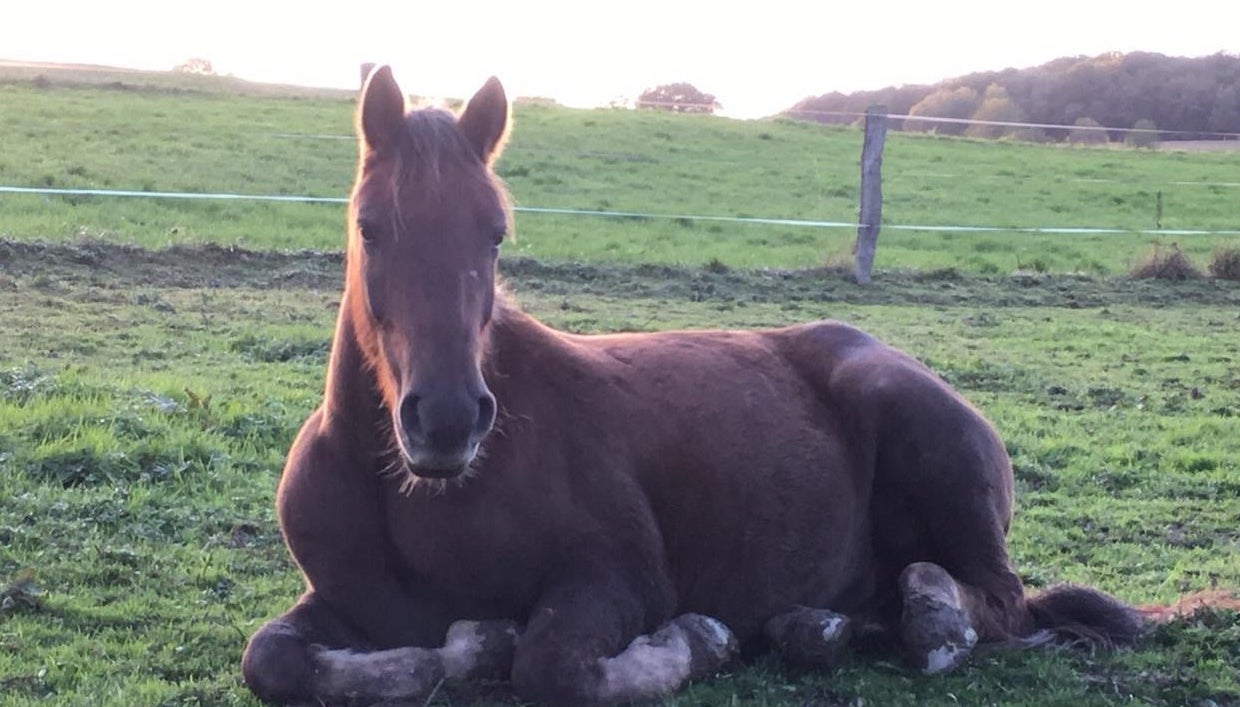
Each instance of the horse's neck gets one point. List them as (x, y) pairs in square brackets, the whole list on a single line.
[(350, 395), (518, 346)]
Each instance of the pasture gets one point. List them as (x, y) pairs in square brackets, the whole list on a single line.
[(196, 137), (147, 396)]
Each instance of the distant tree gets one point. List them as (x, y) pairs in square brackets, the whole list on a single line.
[(997, 106), (195, 65), (1225, 116), (1142, 139), (1087, 132), (960, 103), (679, 98), (1193, 95)]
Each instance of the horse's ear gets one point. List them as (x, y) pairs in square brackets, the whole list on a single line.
[(485, 120), (382, 110)]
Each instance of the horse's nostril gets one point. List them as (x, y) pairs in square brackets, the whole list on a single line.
[(409, 419), (486, 414)]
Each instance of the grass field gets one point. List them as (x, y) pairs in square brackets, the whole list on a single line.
[(202, 138), (146, 400), (148, 395)]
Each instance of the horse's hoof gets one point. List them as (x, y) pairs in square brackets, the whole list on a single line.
[(938, 635), (277, 664), (711, 644), (810, 637), (480, 649)]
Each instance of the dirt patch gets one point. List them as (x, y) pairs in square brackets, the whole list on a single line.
[(110, 266)]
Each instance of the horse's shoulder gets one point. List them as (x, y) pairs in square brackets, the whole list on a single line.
[(320, 439), (325, 447)]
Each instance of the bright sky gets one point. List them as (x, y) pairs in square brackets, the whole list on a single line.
[(757, 57)]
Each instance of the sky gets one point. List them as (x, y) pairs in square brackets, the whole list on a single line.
[(757, 56)]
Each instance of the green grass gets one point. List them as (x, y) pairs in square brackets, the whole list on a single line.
[(212, 135), (147, 399)]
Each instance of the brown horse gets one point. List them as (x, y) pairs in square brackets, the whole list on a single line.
[(635, 505)]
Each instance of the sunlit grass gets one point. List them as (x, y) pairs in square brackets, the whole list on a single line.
[(212, 140)]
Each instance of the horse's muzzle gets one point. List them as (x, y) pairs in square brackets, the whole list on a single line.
[(439, 436)]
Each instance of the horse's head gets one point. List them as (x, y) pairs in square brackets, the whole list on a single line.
[(426, 220)]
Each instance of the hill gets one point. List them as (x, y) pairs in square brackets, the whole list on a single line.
[(1192, 95)]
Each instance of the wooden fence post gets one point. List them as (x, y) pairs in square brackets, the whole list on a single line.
[(870, 214)]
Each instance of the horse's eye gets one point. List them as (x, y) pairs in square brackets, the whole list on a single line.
[(500, 233), (368, 229)]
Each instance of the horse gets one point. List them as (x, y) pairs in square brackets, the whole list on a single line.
[(600, 519)]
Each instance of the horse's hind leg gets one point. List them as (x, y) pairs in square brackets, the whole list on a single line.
[(814, 638), (941, 505), (310, 655), (936, 622)]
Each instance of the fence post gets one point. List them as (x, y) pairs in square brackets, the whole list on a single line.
[(870, 213), (367, 67)]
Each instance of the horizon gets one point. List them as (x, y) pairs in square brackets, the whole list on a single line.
[(755, 64)]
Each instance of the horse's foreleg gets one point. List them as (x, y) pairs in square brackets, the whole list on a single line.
[(567, 672), (689, 647), (583, 643), (277, 663), (311, 655), (472, 650)]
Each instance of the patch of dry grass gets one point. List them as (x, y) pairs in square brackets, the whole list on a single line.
[(1225, 264), (1163, 263)]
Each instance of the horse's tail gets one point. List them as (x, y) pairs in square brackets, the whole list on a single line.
[(1081, 613)]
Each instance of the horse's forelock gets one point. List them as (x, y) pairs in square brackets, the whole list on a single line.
[(433, 145)]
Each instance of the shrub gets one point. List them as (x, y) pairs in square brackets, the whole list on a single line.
[(1087, 132), (996, 106), (679, 97), (1225, 264), (1166, 264), (1142, 139), (960, 102)]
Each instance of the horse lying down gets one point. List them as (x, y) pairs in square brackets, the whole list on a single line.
[(603, 518)]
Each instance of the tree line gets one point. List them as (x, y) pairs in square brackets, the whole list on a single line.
[(1198, 95)]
